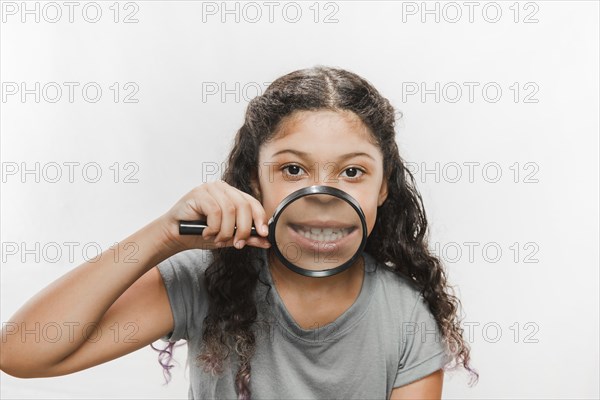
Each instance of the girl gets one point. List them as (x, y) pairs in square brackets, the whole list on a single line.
[(386, 327)]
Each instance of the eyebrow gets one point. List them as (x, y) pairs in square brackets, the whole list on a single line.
[(305, 155)]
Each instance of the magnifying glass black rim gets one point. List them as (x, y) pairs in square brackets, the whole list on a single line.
[(317, 189)]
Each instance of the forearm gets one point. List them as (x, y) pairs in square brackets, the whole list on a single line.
[(75, 303)]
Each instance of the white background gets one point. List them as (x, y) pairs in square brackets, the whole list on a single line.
[(531, 314)]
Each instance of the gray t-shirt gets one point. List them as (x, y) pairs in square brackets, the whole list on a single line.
[(387, 338)]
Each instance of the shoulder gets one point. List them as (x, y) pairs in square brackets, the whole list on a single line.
[(183, 276), (195, 258), (189, 264), (396, 290), (420, 344)]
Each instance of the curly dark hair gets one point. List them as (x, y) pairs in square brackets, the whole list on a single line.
[(399, 239)]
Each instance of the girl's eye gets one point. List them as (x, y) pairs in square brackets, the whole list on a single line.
[(295, 171), (292, 170), (353, 172)]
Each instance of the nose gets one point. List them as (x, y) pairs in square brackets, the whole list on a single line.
[(322, 199), (325, 177)]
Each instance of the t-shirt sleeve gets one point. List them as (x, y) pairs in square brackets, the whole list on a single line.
[(422, 349), (183, 276)]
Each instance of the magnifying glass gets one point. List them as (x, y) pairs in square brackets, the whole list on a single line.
[(316, 231)]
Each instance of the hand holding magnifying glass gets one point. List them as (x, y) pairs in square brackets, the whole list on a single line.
[(316, 231)]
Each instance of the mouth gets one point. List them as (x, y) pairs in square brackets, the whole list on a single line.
[(323, 232)]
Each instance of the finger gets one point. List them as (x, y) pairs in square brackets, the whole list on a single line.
[(208, 238), (259, 215), (212, 211), (205, 206), (227, 213), (199, 204), (253, 241), (243, 220)]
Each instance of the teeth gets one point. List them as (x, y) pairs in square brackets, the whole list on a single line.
[(323, 235)]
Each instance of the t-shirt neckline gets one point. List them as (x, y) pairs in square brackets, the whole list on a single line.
[(333, 329)]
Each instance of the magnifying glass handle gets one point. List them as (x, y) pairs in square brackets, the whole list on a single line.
[(197, 227)]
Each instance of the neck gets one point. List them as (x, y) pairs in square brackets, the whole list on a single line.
[(283, 276)]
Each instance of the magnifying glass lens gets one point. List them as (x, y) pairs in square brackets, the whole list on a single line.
[(318, 232)]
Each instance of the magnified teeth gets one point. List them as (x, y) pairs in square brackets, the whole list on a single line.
[(323, 234)]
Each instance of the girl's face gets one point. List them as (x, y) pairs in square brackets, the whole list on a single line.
[(322, 148)]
